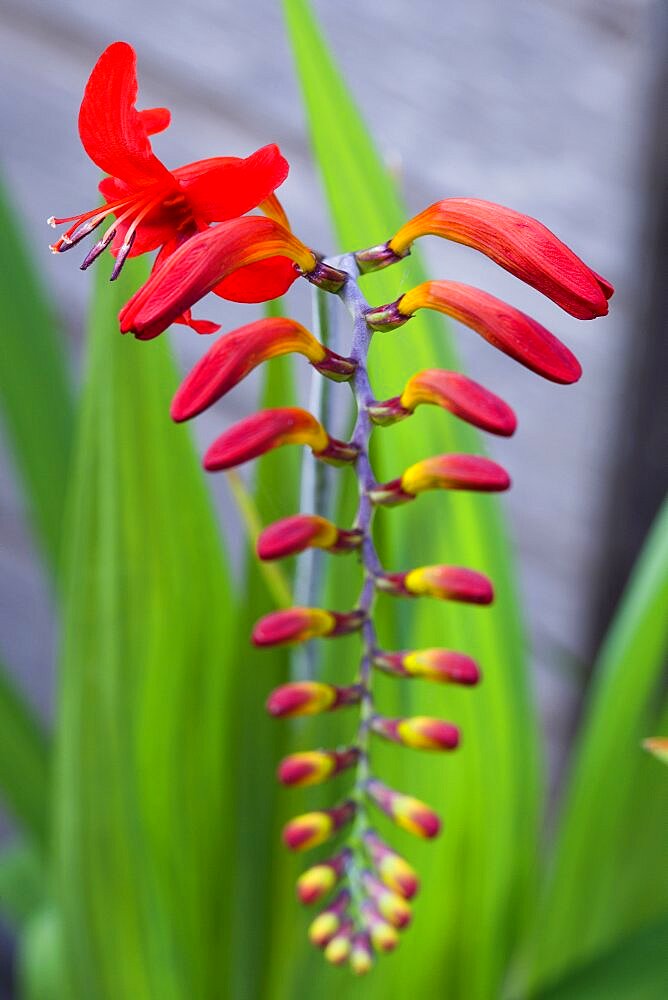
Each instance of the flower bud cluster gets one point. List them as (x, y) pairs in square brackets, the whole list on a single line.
[(197, 216)]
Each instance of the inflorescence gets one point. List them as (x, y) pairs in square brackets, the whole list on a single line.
[(195, 217)]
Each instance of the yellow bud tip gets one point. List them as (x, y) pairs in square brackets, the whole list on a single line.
[(338, 950)]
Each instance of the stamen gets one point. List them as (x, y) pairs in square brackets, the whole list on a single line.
[(123, 253), (98, 248)]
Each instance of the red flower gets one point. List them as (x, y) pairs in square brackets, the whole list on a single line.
[(153, 206)]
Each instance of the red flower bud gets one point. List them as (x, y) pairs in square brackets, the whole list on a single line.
[(396, 873), (311, 829), (312, 767), (517, 242), (270, 429), (310, 698), (449, 583), (299, 624), (236, 354), (408, 813), (419, 732), (452, 391), (201, 265), (501, 325), (391, 905), (383, 935), (317, 881), (361, 955), (330, 920), (441, 665), (303, 531), (443, 472)]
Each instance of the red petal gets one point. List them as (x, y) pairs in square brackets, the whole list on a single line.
[(520, 244), (155, 120), (268, 279), (200, 264), (503, 326), (225, 187), (204, 326), (112, 131)]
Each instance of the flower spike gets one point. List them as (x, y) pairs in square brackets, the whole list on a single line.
[(501, 325), (304, 531), (269, 429), (443, 472), (440, 665), (195, 217), (312, 767), (408, 813), (317, 881), (516, 242), (451, 391), (299, 624), (310, 698), (419, 732), (449, 583), (311, 829), (236, 354)]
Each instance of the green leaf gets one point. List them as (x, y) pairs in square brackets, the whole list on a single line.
[(611, 854), (36, 397), (22, 883), (637, 968), (144, 851), (24, 761), (478, 879)]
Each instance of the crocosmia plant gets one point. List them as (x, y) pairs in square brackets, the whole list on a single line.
[(197, 218)]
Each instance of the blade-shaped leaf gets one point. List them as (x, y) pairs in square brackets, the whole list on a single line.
[(143, 844), (637, 968), (476, 894), (36, 397), (611, 856), (24, 761)]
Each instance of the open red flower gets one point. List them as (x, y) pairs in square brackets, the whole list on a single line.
[(153, 207)]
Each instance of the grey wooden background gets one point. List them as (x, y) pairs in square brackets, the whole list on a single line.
[(540, 104)]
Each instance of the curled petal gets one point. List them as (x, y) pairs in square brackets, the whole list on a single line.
[(317, 881), (312, 767), (501, 325), (155, 120), (224, 187), (408, 813), (419, 732), (311, 829), (269, 429), (235, 355), (449, 583), (330, 920), (441, 665), (304, 531), (310, 698), (396, 873), (392, 906), (299, 624), (201, 263), (361, 955), (113, 132), (443, 472), (452, 391), (517, 242)]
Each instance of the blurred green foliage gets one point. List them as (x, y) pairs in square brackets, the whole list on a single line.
[(149, 863)]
